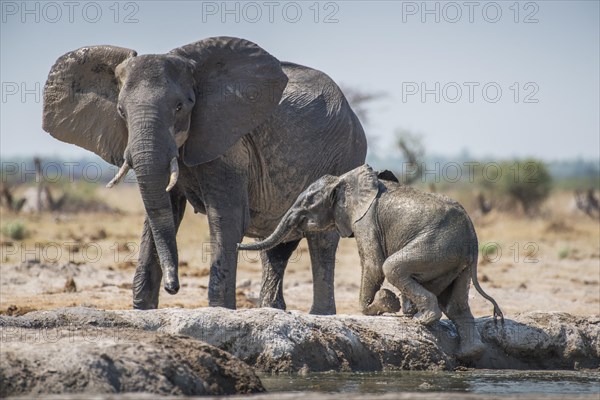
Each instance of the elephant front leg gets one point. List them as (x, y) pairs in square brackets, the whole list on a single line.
[(322, 247), (148, 274), (274, 262), (224, 188), (372, 299), (226, 231)]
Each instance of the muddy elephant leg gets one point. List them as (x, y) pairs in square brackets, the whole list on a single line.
[(224, 187), (455, 302), (399, 270), (372, 299), (274, 262), (322, 247), (148, 274), (408, 307), (227, 228)]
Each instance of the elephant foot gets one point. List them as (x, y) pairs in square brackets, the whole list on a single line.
[(280, 305), (428, 317), (470, 351), (271, 296), (385, 302), (145, 300), (144, 305), (328, 310), (272, 302), (408, 307)]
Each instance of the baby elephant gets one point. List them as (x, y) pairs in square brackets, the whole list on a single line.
[(423, 243)]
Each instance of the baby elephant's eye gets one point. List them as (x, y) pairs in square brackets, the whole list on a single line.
[(120, 111), (179, 107)]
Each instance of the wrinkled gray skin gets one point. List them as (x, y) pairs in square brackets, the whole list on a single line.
[(248, 133), (422, 243)]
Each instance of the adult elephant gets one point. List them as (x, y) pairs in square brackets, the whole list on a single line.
[(222, 124)]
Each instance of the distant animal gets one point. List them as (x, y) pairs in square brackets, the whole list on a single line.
[(587, 202), (422, 243)]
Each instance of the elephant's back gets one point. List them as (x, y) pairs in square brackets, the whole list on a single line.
[(311, 91), (312, 132), (315, 112), (434, 221)]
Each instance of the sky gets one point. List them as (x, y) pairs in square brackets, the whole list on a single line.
[(495, 79)]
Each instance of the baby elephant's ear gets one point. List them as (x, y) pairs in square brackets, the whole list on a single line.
[(343, 221), (362, 187)]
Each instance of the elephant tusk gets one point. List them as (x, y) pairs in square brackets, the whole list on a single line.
[(174, 174), (122, 172)]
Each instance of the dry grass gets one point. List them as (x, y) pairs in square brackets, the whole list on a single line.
[(548, 263)]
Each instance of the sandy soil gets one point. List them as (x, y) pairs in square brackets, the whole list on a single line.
[(549, 263)]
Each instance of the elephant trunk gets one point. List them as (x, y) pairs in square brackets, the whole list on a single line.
[(152, 162), (285, 226)]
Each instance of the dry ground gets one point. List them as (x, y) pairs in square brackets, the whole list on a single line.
[(550, 263)]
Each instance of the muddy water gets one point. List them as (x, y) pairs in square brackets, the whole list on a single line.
[(489, 382)]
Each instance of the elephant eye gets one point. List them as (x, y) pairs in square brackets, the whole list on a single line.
[(120, 111), (179, 106)]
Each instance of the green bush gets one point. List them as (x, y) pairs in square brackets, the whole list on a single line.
[(527, 182), (15, 230)]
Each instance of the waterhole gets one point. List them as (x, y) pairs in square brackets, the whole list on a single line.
[(492, 382)]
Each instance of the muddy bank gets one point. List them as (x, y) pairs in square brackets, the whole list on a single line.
[(36, 362), (277, 341)]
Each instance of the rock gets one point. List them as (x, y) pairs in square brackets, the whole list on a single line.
[(273, 340), (541, 340), (90, 361), (277, 341)]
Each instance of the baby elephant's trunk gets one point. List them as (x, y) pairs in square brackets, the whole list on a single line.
[(283, 229)]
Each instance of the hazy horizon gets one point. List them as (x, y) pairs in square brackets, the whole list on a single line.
[(494, 79)]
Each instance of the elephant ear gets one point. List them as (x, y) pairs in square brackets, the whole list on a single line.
[(361, 189), (238, 85), (80, 101)]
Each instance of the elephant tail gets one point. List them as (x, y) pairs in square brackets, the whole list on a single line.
[(473, 266), (497, 311)]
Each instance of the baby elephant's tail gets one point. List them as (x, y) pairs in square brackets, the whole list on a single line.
[(497, 311)]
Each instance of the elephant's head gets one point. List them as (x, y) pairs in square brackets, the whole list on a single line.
[(153, 112), (329, 203)]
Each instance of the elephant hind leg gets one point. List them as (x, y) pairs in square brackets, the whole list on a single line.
[(400, 269), (274, 262), (455, 302), (322, 247)]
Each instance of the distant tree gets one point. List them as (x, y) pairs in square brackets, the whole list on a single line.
[(411, 146), (361, 100), (8, 200), (528, 182)]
